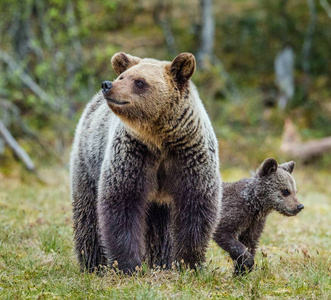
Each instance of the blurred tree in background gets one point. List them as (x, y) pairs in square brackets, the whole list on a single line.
[(54, 54)]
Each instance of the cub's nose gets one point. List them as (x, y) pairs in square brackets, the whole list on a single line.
[(300, 207), (106, 86)]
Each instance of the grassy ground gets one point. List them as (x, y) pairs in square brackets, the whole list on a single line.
[(37, 261)]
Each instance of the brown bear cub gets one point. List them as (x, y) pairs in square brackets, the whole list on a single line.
[(144, 168), (246, 205)]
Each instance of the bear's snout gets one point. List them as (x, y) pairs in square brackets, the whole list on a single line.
[(106, 86)]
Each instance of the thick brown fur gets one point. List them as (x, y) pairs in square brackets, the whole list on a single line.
[(144, 169), (246, 205)]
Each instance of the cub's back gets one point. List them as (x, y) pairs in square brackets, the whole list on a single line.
[(232, 191), (233, 208)]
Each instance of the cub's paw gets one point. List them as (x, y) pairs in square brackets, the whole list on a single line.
[(244, 264)]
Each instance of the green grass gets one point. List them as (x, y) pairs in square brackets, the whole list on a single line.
[(37, 260)]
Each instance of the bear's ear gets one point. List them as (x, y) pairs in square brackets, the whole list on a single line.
[(288, 166), (182, 68), (122, 61), (268, 167)]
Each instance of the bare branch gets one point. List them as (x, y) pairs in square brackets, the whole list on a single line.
[(28, 81), (326, 6), (231, 88), (19, 151), (10, 113), (2, 145)]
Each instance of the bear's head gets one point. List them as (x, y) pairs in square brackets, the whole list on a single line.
[(147, 88), (278, 187)]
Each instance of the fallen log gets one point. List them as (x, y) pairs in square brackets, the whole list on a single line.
[(293, 146)]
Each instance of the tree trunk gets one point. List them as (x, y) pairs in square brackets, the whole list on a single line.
[(161, 18), (284, 66), (207, 36), (307, 45)]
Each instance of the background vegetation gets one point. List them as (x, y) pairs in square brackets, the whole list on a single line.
[(54, 54)]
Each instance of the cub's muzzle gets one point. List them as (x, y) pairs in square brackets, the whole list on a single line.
[(300, 207)]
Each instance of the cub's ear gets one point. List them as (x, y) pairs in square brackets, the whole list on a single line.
[(288, 166), (268, 167), (182, 68), (122, 61)]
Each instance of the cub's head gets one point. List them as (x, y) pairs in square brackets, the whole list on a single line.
[(147, 88), (279, 186)]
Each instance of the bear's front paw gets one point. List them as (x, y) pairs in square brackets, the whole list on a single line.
[(127, 268), (182, 266), (131, 270), (244, 264)]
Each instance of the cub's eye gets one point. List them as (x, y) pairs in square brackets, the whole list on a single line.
[(139, 83), (121, 77), (286, 193)]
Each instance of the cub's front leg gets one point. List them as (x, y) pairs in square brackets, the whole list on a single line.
[(121, 202), (197, 196), (243, 259), (250, 238)]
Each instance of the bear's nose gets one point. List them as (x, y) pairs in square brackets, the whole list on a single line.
[(300, 207), (106, 86)]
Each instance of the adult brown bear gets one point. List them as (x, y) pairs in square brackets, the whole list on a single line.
[(144, 168)]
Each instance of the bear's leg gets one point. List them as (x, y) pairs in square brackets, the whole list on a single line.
[(87, 245), (122, 192), (158, 244), (243, 259), (196, 210)]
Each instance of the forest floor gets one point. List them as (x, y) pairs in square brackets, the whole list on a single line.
[(37, 259)]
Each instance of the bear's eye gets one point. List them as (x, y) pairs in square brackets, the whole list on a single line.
[(139, 83), (286, 192), (121, 77)]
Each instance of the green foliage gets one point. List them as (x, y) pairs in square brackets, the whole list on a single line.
[(65, 47)]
